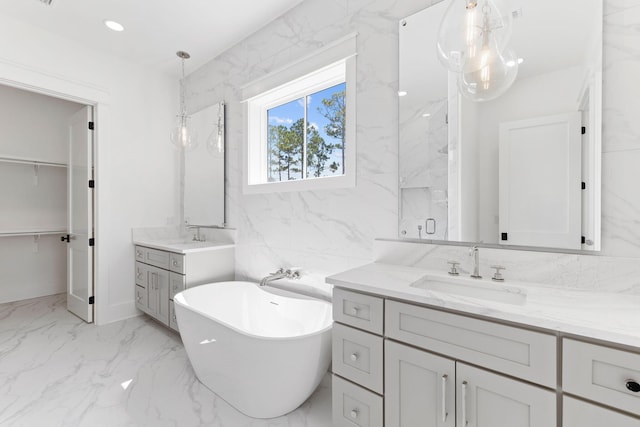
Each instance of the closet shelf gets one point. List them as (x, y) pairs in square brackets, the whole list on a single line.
[(18, 233), (31, 162)]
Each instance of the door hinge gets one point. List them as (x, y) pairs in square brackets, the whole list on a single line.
[(92, 183), (92, 242), (583, 240), (583, 186), (91, 300), (583, 130), (91, 126), (503, 236)]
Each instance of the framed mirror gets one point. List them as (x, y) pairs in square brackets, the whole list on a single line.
[(523, 169), (204, 170)]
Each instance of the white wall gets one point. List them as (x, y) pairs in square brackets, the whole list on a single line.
[(137, 181)]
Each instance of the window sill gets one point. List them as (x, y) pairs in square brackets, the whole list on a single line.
[(324, 183)]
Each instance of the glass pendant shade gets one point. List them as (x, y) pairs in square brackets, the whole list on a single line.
[(215, 142), (491, 75), (182, 136), (465, 24)]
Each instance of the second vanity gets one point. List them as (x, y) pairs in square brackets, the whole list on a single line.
[(164, 268), (408, 354)]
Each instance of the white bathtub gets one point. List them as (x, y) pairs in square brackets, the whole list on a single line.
[(262, 353)]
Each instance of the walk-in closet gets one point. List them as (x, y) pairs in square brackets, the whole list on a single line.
[(34, 158)]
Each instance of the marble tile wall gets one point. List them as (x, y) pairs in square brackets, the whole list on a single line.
[(324, 232)]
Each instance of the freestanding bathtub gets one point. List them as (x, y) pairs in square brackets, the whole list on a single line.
[(262, 353)]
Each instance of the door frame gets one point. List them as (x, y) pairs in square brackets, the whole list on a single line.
[(39, 81)]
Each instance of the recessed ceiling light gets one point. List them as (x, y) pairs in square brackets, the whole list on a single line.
[(113, 25), (402, 93)]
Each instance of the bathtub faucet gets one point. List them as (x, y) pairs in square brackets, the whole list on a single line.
[(280, 274)]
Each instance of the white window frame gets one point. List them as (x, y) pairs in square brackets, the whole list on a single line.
[(302, 83)]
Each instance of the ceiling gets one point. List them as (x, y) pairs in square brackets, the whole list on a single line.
[(154, 29)]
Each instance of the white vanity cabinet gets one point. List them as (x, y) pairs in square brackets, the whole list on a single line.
[(160, 274), (440, 369)]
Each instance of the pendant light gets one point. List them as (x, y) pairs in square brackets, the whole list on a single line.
[(215, 142), (463, 28), (473, 41), (182, 136)]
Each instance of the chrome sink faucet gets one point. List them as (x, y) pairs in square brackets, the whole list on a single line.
[(280, 274), (474, 252)]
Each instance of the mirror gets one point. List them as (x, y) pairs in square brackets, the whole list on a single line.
[(204, 170), (522, 169)]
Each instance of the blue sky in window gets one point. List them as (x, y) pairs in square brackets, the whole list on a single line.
[(289, 113)]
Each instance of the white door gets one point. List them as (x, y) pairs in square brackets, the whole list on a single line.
[(488, 399), (419, 388), (80, 216), (540, 182)]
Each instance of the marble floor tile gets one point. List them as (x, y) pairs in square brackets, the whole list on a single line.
[(56, 370)]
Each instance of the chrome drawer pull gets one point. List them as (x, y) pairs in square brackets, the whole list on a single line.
[(464, 404), (444, 398), (355, 357), (632, 385)]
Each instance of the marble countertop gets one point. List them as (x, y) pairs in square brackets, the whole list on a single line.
[(612, 317), (182, 246)]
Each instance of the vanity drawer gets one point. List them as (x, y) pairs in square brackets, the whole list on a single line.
[(357, 356), (153, 257), (355, 406), (141, 273), (177, 283), (173, 321), (141, 298), (601, 374), (577, 413), (519, 352), (362, 311), (176, 263)]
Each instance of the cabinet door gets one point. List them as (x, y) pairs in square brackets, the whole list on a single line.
[(158, 293), (487, 399), (581, 414), (419, 388)]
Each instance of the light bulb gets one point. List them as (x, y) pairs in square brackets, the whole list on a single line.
[(491, 75), (463, 27), (183, 137)]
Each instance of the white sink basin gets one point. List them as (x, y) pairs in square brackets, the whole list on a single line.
[(473, 288)]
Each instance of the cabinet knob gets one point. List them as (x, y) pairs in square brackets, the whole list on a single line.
[(355, 310), (355, 356), (139, 275), (138, 254), (633, 386), (354, 413), (175, 263)]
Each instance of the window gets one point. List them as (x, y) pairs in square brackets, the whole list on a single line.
[(300, 134)]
